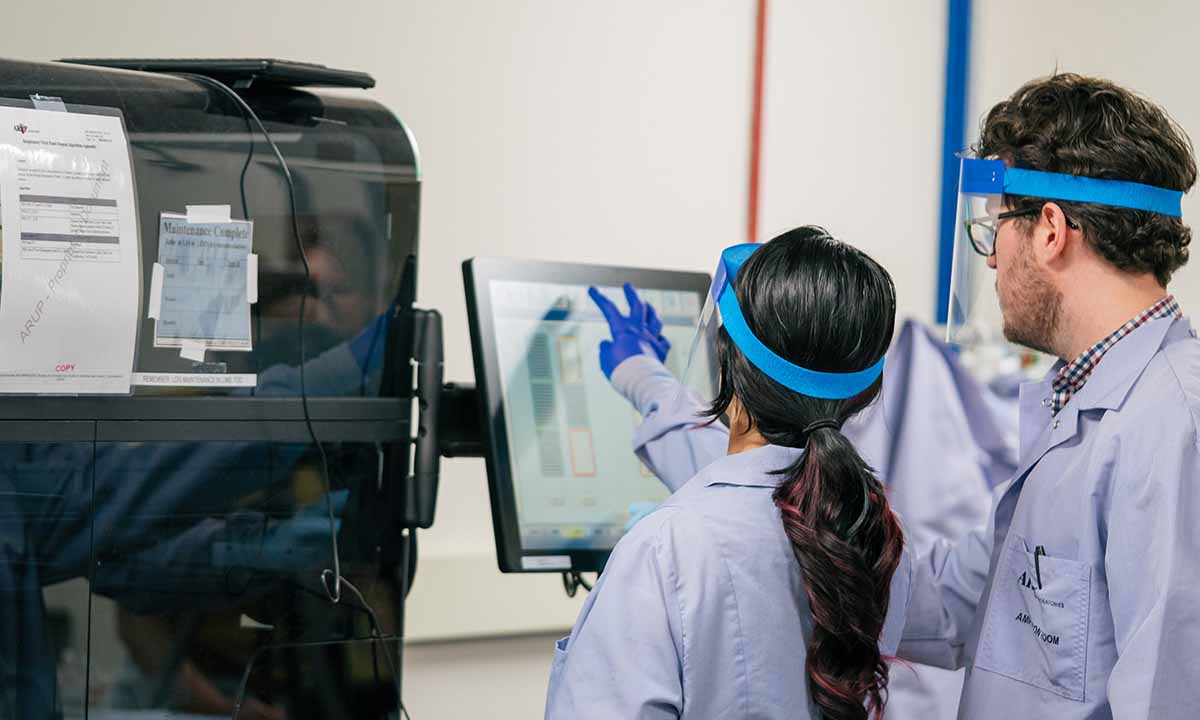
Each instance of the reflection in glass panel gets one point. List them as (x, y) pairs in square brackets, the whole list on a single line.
[(45, 531), (210, 557), (135, 577)]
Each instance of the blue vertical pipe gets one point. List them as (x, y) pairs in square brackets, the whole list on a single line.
[(958, 55)]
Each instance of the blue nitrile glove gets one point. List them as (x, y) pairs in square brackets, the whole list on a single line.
[(367, 344), (287, 545), (637, 511), (638, 334)]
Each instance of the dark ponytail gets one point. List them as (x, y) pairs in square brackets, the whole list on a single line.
[(848, 543), (825, 306)]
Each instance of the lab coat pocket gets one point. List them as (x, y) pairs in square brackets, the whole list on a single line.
[(558, 702), (1036, 629), (560, 661)]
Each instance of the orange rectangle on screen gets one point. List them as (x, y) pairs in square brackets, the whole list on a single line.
[(583, 455)]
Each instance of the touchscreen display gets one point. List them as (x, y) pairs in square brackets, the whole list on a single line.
[(569, 432)]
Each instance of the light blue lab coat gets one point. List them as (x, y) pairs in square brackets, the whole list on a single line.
[(701, 610), (1106, 622), (929, 407), (1109, 489)]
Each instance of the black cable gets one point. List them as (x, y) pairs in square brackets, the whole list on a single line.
[(377, 633), (241, 694), (249, 156), (245, 167), (373, 619), (246, 216), (335, 592), (377, 637), (572, 581)]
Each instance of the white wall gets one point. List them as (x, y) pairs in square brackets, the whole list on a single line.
[(616, 132), (853, 127), (1148, 47), (490, 678), (594, 132)]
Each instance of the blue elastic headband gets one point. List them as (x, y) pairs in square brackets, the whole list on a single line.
[(991, 177), (824, 385)]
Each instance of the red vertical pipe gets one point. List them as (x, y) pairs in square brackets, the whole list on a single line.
[(760, 41)]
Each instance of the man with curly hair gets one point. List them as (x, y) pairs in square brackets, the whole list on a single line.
[(1081, 598)]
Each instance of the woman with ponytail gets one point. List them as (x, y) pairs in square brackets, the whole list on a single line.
[(773, 584)]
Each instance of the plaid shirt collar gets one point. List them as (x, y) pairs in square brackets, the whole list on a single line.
[(1071, 377)]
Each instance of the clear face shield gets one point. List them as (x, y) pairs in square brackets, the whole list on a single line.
[(975, 321), (700, 382), (974, 317)]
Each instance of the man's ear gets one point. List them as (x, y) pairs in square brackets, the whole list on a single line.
[(1053, 234)]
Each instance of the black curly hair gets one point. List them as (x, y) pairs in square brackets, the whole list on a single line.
[(824, 305), (1078, 125)]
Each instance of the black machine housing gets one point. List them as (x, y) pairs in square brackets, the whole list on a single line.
[(111, 491)]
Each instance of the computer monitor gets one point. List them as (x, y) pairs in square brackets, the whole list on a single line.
[(560, 462)]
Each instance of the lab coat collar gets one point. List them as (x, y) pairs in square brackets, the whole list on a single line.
[(1123, 364), (1106, 389), (753, 468)]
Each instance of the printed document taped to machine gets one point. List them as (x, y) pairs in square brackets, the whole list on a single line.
[(203, 297), (70, 266)]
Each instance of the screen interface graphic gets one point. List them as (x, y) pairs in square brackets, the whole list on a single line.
[(569, 432)]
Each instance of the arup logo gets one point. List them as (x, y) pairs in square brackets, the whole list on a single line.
[(21, 128)]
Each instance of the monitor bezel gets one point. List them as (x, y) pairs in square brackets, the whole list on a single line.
[(477, 274)]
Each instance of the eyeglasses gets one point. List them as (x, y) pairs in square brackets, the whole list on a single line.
[(982, 230)]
